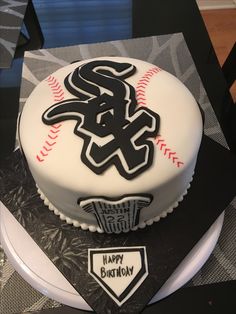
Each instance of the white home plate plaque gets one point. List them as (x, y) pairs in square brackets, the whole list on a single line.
[(119, 271)]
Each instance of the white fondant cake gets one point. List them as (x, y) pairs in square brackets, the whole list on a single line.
[(111, 142)]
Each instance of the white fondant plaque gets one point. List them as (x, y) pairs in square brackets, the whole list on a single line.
[(118, 214), (119, 271)]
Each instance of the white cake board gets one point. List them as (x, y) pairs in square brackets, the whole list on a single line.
[(36, 268)]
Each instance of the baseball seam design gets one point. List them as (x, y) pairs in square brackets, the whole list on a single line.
[(167, 151), (58, 95), (141, 100), (56, 88), (142, 84)]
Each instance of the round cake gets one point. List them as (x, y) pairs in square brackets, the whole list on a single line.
[(111, 142)]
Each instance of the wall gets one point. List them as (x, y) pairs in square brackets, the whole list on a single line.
[(216, 4)]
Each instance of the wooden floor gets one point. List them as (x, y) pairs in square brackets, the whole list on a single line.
[(221, 26)]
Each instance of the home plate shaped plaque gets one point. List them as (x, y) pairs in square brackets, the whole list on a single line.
[(119, 271)]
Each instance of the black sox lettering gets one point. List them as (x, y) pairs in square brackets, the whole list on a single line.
[(114, 131)]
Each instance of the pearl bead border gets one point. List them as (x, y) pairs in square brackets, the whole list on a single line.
[(93, 228)]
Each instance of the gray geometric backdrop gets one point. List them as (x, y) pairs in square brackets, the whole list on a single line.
[(11, 17)]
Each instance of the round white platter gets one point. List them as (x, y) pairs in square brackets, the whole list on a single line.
[(37, 269)]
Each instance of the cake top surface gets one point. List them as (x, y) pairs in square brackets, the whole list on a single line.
[(109, 125)]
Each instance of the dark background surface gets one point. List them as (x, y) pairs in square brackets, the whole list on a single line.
[(72, 22)]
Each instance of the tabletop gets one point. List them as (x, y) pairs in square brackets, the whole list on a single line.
[(129, 19)]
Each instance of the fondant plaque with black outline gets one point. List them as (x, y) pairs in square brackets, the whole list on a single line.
[(115, 215), (119, 271)]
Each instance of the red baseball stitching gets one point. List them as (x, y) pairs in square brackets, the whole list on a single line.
[(142, 84), (141, 100), (58, 95), (167, 151), (56, 88)]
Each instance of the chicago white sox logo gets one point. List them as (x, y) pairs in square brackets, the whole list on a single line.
[(114, 130)]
